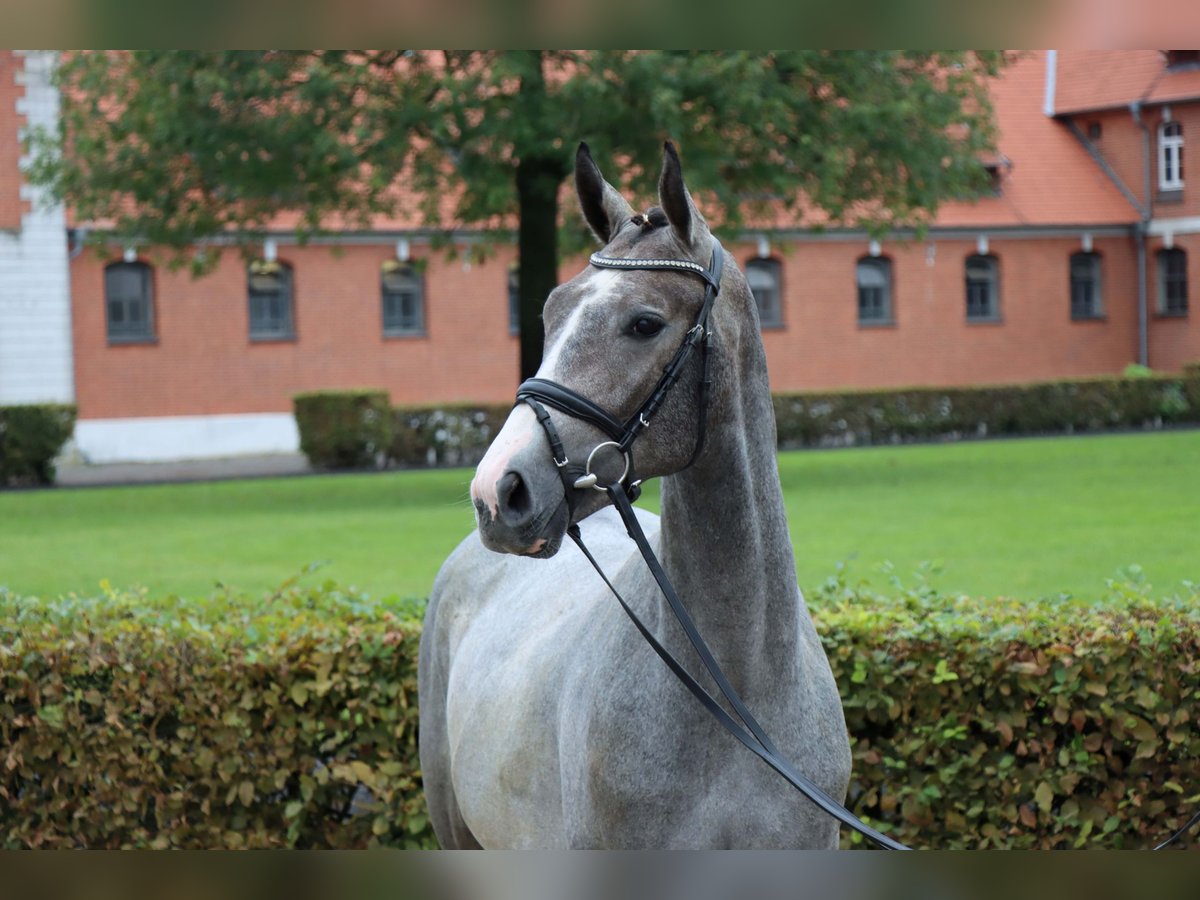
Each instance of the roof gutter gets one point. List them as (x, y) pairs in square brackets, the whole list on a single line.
[(1098, 158), (1135, 109)]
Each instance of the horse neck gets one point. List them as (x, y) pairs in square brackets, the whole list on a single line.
[(725, 542)]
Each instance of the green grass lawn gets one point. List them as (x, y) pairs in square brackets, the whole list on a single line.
[(1024, 517)]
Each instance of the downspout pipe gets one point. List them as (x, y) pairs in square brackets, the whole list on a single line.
[(1140, 233)]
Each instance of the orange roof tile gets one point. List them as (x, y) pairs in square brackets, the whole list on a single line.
[(1102, 79), (1052, 180)]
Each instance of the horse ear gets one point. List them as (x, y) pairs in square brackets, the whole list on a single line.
[(676, 202), (604, 208)]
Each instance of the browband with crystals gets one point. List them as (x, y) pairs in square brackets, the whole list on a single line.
[(611, 262)]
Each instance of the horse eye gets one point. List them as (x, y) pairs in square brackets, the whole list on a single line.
[(647, 326)]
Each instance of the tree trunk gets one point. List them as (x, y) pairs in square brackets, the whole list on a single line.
[(538, 180)]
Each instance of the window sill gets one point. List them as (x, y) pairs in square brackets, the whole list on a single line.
[(272, 339), (1182, 314), (985, 320), (403, 335), (876, 323), (132, 341), (1098, 317), (1169, 195)]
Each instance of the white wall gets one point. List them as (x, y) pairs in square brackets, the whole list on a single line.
[(35, 301), (170, 438)]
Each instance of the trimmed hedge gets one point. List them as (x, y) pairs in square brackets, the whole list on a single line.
[(344, 429), (285, 721), (290, 721), (31, 436), (842, 418), (459, 435), (445, 435), (1003, 723)]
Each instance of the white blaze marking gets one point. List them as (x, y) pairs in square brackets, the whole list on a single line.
[(515, 436), (600, 286), (521, 427)]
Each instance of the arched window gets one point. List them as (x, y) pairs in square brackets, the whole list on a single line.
[(874, 277), (269, 285), (1170, 156), (403, 290), (763, 276), (983, 288), (1085, 286), (1172, 282), (129, 302)]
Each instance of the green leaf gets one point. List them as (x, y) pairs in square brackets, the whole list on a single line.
[(52, 715), (1044, 796)]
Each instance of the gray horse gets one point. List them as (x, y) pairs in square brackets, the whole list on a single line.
[(546, 721)]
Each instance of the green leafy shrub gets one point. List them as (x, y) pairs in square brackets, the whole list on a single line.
[(840, 418), (1002, 723), (31, 436), (291, 720), (443, 435), (344, 429), (286, 721), (459, 435)]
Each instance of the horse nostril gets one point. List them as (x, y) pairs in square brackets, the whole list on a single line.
[(515, 502)]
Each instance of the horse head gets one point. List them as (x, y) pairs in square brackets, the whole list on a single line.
[(610, 333)]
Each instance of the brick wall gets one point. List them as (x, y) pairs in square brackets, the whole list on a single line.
[(1175, 340), (823, 346), (203, 361), (12, 205)]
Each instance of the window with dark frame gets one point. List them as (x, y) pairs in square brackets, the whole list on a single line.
[(874, 277), (1172, 282), (983, 282), (1085, 286), (129, 302), (763, 276), (269, 285), (403, 291)]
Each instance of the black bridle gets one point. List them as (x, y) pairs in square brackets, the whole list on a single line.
[(625, 490), (538, 391)]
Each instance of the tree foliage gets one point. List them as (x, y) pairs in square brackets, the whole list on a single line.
[(175, 148)]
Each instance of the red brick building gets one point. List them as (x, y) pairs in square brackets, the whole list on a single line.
[(1082, 262)]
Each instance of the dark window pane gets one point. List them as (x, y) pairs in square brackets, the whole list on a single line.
[(128, 301), (1085, 285), (514, 301), (270, 300), (403, 292), (981, 287), (874, 278), (763, 277), (1172, 277)]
